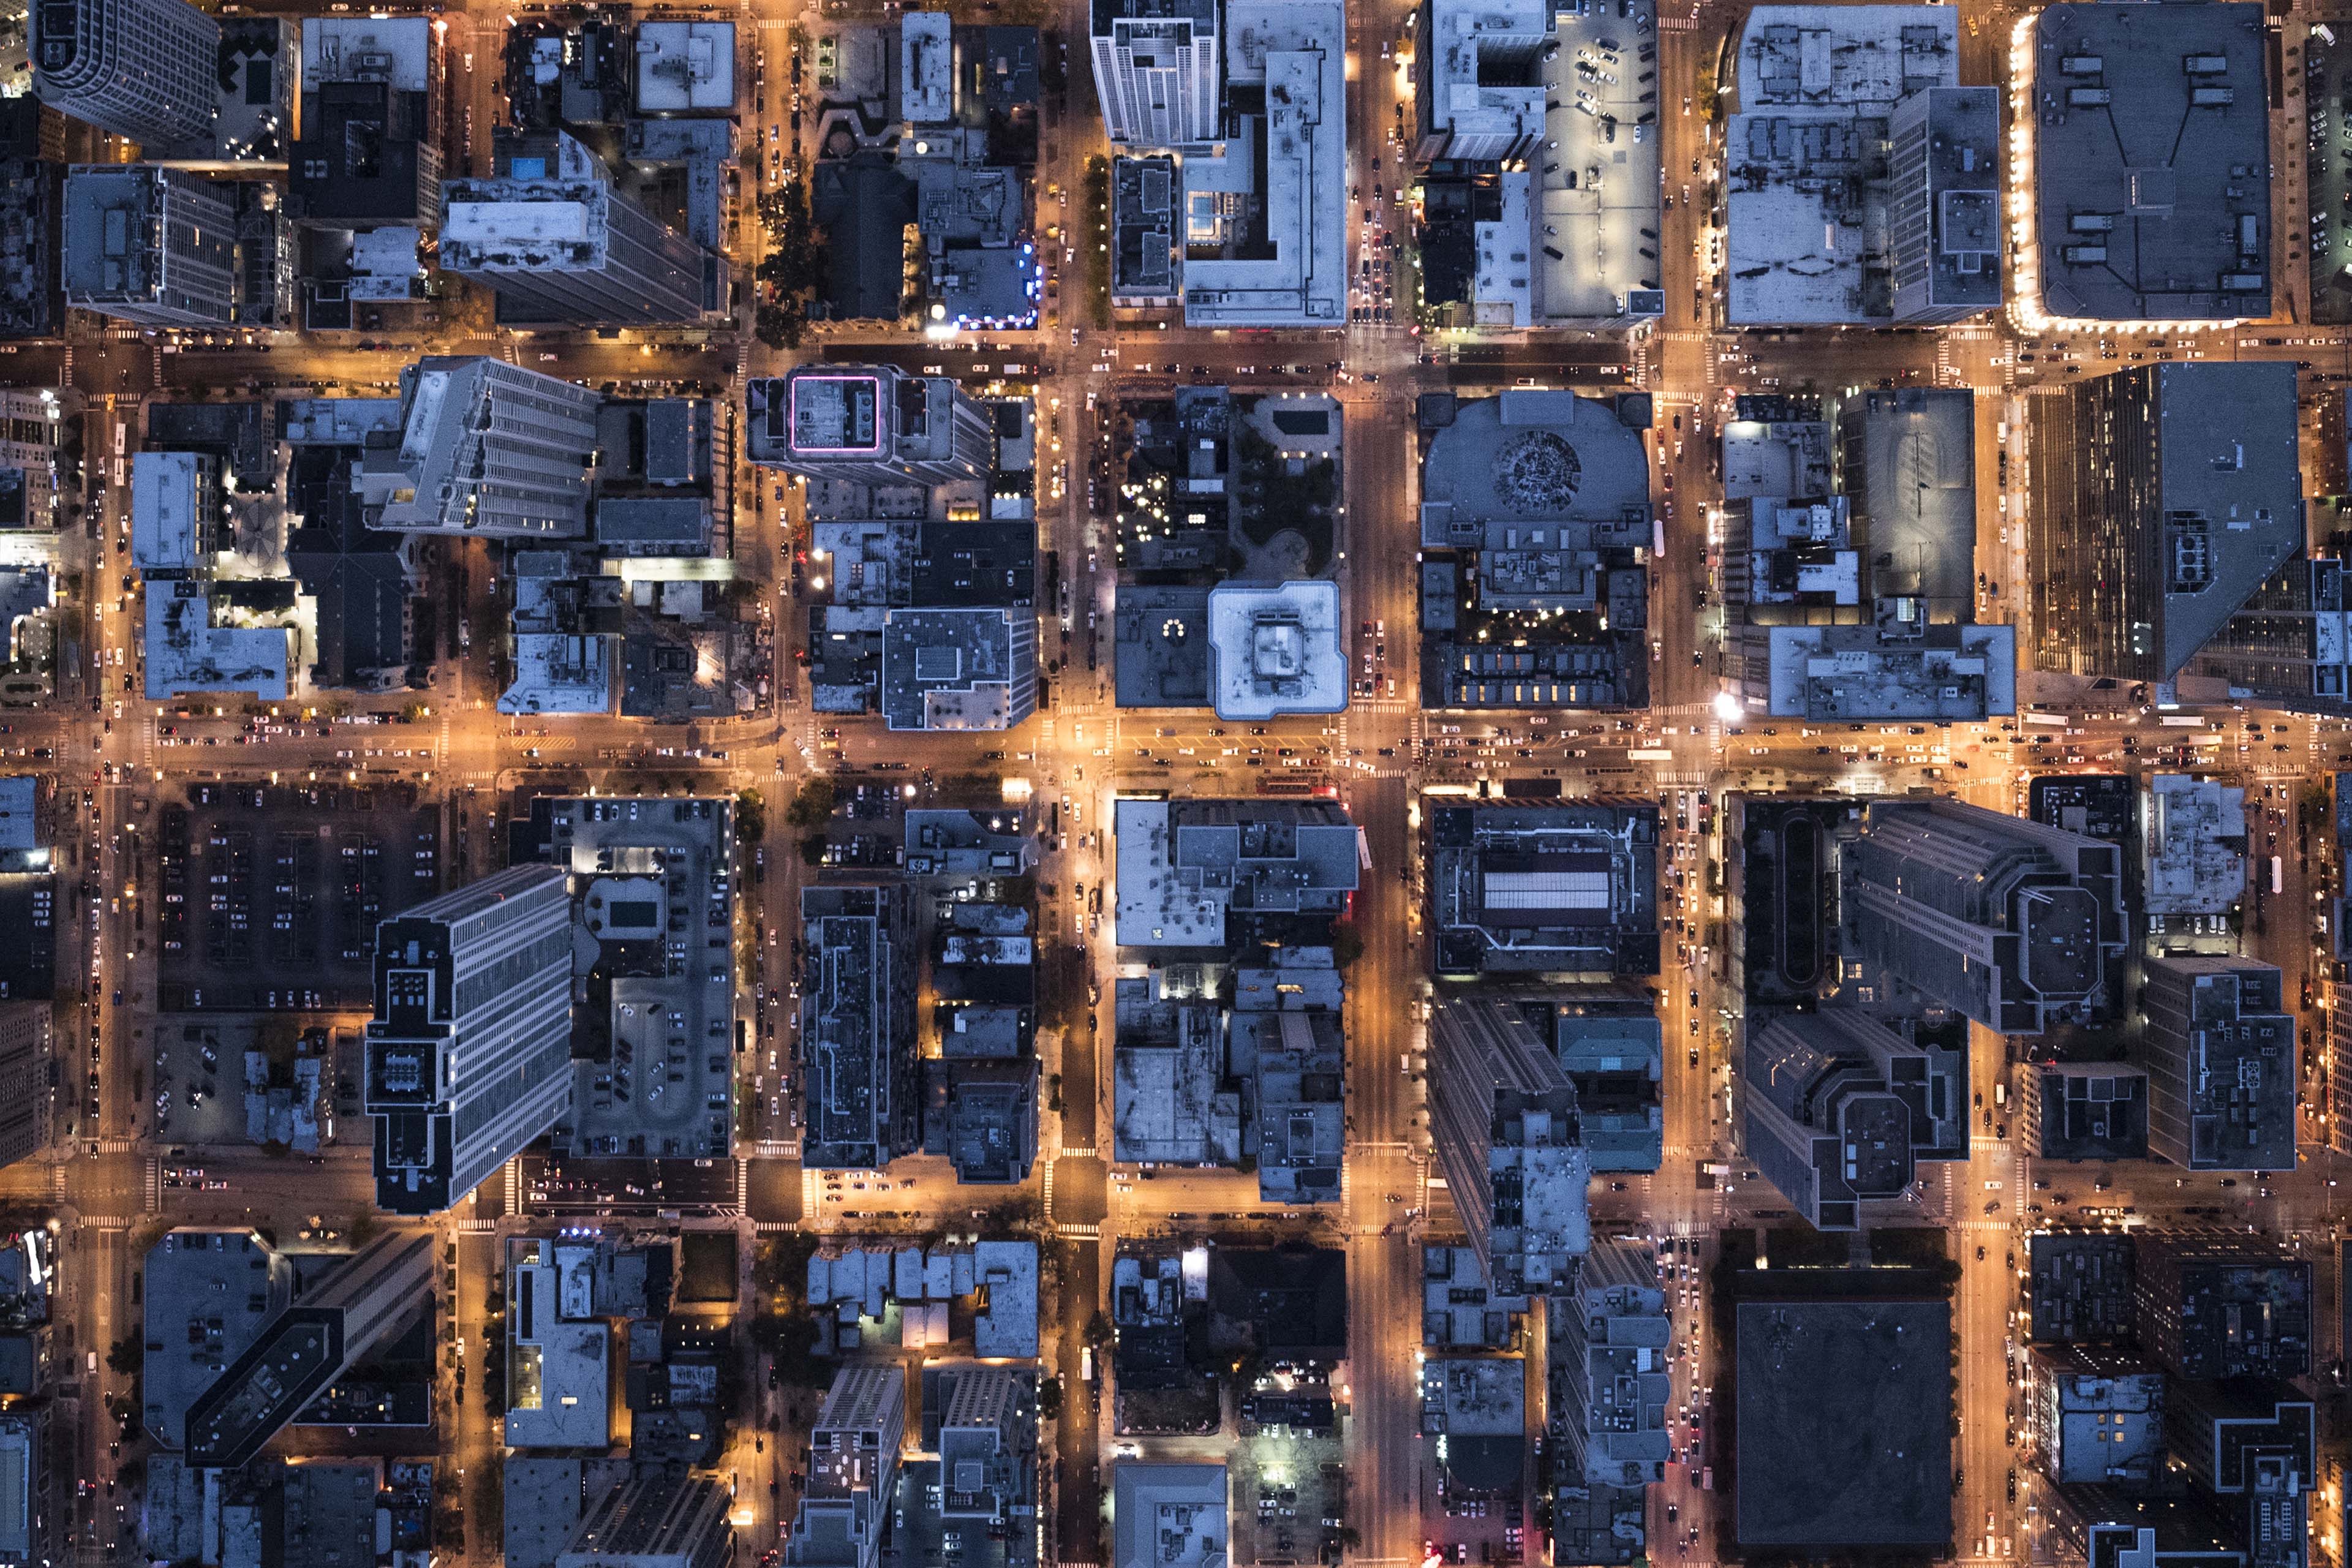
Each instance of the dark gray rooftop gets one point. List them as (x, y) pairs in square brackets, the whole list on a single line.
[(1844, 1423), (2152, 162)]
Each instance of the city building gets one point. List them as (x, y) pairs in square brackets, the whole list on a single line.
[(996, 1280), (33, 1520), (1944, 192), (1284, 1041), (2220, 1057), (32, 433), (2017, 925), (178, 539), (25, 1058), (2163, 498), (468, 1055), (1159, 70), (2287, 647), (1147, 269), (1608, 1341), (2150, 153), (979, 1425), (369, 151), (874, 425), (2083, 1111), (959, 669), (482, 448), (1276, 650), (558, 1350), (2250, 1451), (1840, 1109), (206, 1296), (2081, 1285), (1844, 1424), (1265, 211), (857, 1026), (1549, 886), (1169, 1515), (28, 896), (2096, 1417), (1511, 239), (853, 1468), (1891, 669), (1815, 636), (357, 1302), (1171, 1100), (2193, 845), (1612, 1045), (560, 243), (1535, 533), (685, 68), (1460, 1309), (151, 246), (1809, 231), (1503, 1118), (1193, 871), (1780, 887), (659, 1518), (651, 890), (1477, 1409), (32, 215), (2217, 1305), (144, 69)]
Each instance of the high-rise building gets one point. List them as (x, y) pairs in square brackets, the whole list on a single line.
[(660, 1518), (484, 448), (146, 70), (1944, 204), (2290, 646), (874, 425), (469, 1054), (858, 1027), (33, 1521), (2015, 924), (2163, 496), (1159, 70), (370, 151), (560, 243), (1841, 1109), (298, 1354), (1503, 1116), (2221, 1305), (24, 1047), (853, 1461), (1608, 1375), (149, 244), (2220, 1063)]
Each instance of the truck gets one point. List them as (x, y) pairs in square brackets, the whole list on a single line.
[(1087, 1363), (2278, 875)]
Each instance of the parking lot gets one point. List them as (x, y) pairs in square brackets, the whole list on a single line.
[(270, 895)]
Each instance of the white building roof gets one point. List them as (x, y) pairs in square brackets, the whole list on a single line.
[(1297, 52), (1277, 648), (685, 67), (397, 49), (166, 497)]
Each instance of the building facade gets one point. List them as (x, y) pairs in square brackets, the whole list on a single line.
[(470, 1053), (1159, 70)]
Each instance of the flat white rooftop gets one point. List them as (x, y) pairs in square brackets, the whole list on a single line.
[(1275, 649)]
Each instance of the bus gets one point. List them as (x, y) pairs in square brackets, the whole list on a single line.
[(2057, 719), (2180, 720), (2278, 875), (1087, 1363)]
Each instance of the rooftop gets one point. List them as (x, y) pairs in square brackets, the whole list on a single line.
[(1277, 650), (188, 652), (1849, 56), (1168, 1516), (1286, 267), (2193, 846), (208, 1294), (1168, 1103), (686, 68), (1844, 1423), (1563, 888), (558, 1372), (175, 512), (1936, 674), (2151, 160), (971, 669), (1184, 865)]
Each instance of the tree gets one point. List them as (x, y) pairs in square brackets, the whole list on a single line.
[(1049, 1398), (1098, 1331), (812, 804), (750, 816), (812, 849), (126, 1356), (1347, 943)]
